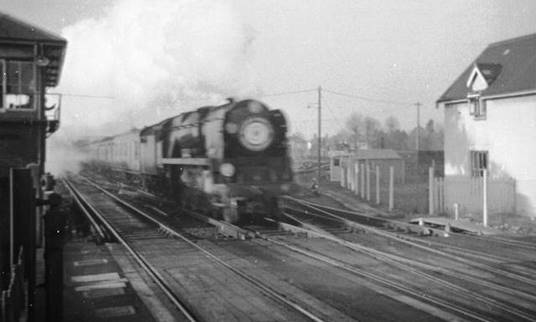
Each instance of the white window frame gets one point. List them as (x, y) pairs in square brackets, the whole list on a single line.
[(478, 157), (477, 106)]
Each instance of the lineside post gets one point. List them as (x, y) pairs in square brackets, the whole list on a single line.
[(391, 187), (356, 174), (342, 174), (362, 180), (485, 197), (319, 174), (368, 180), (431, 191), (349, 175), (377, 184)]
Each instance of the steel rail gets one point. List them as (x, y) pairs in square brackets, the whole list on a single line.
[(101, 235), (513, 242), (265, 289), (446, 247), (421, 265), (418, 244), (496, 239), (374, 277), (406, 264), (398, 286), (140, 259)]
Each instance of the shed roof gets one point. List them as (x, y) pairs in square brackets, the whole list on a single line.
[(376, 154), (508, 66), (15, 32)]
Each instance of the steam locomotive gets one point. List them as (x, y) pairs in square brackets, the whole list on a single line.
[(230, 161)]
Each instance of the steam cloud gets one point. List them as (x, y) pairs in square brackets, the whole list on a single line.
[(155, 59)]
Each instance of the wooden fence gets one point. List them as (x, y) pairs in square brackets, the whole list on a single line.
[(13, 300), (468, 194)]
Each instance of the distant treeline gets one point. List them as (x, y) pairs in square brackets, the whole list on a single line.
[(367, 132)]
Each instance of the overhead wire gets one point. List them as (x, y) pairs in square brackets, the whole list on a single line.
[(290, 92), (83, 95), (365, 98)]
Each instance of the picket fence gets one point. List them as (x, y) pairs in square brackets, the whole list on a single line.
[(467, 193)]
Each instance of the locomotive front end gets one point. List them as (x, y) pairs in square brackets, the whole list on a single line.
[(256, 165)]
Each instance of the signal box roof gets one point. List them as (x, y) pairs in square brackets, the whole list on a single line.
[(18, 34)]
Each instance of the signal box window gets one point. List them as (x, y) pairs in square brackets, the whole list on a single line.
[(18, 85), (479, 163), (336, 162)]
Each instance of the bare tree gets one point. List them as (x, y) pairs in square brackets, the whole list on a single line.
[(355, 124), (392, 124), (372, 128)]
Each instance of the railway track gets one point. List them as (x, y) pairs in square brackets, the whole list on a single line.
[(332, 228), (140, 235), (468, 308), (502, 261), (93, 215), (364, 217), (418, 291), (269, 234)]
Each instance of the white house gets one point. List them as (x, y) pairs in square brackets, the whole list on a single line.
[(490, 123)]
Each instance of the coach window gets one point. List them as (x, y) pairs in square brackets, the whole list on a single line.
[(18, 85)]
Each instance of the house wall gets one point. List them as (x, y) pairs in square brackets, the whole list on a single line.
[(508, 133)]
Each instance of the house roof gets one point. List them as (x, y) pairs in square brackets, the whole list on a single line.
[(508, 66), (376, 154), (15, 32)]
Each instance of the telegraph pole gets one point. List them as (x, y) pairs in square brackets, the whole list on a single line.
[(319, 131), (418, 140)]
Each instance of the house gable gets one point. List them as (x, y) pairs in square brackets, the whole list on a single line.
[(476, 81), (507, 67)]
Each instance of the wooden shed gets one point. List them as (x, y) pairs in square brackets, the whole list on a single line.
[(346, 165)]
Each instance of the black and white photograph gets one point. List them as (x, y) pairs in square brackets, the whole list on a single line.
[(267, 160)]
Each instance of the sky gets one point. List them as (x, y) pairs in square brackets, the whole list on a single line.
[(146, 60)]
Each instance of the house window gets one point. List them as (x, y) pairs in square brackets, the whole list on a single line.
[(477, 107), (479, 163)]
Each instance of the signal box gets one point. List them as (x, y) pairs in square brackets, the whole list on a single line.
[(30, 62)]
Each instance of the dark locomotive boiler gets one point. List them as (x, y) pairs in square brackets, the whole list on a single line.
[(230, 160)]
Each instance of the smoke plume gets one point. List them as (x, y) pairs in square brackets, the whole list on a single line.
[(144, 60)]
